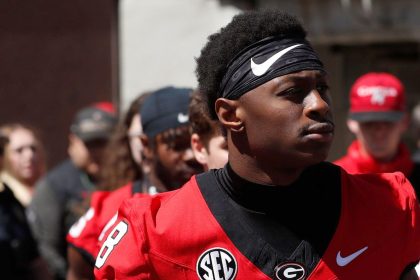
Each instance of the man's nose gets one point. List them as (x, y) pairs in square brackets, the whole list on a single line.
[(28, 152), (316, 105), (188, 155)]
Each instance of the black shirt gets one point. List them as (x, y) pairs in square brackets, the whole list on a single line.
[(17, 246), (290, 223)]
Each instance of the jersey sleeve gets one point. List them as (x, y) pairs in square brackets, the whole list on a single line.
[(409, 231), (123, 252), (83, 235), (412, 207)]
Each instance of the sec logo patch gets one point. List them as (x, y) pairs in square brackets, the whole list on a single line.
[(290, 271), (216, 264)]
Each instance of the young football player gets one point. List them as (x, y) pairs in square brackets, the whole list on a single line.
[(277, 210)]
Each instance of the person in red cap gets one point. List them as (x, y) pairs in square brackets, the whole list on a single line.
[(169, 162), (415, 121), (378, 119), (60, 196)]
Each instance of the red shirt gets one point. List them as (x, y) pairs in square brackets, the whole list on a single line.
[(357, 162), (175, 235), (86, 232)]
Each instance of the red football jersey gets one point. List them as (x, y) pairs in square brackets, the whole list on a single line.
[(86, 232), (176, 235)]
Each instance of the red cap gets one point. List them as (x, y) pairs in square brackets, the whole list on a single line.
[(95, 122), (105, 106), (377, 97)]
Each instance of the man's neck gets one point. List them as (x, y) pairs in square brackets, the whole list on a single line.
[(157, 182), (266, 175), (384, 159)]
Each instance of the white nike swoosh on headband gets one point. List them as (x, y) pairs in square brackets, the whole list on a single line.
[(260, 69)]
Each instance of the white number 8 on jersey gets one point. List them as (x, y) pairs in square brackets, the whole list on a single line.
[(113, 238)]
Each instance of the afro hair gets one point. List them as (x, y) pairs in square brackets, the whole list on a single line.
[(244, 30)]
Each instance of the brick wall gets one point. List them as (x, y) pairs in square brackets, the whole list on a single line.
[(55, 57)]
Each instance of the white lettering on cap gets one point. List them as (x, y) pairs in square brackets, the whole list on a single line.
[(378, 93)]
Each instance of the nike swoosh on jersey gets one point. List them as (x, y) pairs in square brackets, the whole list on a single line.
[(261, 69), (343, 261)]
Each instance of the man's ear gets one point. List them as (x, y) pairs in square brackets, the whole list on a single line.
[(199, 149), (405, 123), (353, 126), (228, 112)]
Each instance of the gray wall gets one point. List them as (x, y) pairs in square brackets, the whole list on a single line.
[(159, 41)]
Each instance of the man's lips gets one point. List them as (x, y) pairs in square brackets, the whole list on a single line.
[(320, 131), (320, 128)]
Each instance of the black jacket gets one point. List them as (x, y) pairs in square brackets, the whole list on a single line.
[(17, 246)]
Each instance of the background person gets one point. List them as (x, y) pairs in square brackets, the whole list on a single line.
[(24, 160), (61, 196), (378, 118), (122, 167), (208, 141), (162, 118), (415, 117), (123, 154), (167, 139), (19, 256)]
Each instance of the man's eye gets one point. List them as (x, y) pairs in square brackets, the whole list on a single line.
[(291, 92), (323, 88), (180, 145), (19, 150)]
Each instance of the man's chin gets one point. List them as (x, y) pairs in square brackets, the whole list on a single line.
[(187, 176), (181, 180), (314, 158), (384, 157)]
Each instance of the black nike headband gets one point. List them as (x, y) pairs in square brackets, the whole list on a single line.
[(266, 60)]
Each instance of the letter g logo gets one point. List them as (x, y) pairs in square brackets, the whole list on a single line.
[(290, 271)]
